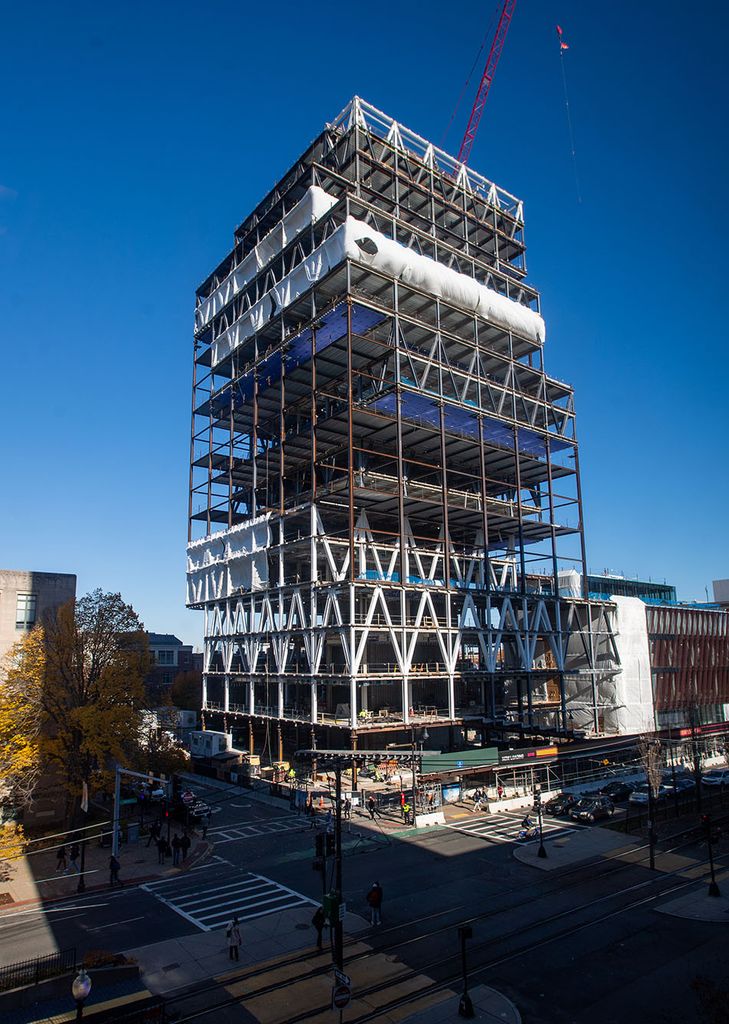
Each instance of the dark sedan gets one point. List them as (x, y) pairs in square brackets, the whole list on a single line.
[(560, 805), (617, 791), (592, 809)]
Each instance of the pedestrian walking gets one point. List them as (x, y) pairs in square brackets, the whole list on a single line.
[(477, 800), (233, 935), (329, 822), (161, 845), (154, 833), (374, 899), (185, 844), (73, 859), (319, 920), (500, 791), (204, 825), (176, 847), (372, 807), (61, 859), (406, 809), (114, 866), (347, 809)]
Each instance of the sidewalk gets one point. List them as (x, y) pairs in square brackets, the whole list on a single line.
[(583, 844), (34, 879), (697, 905), (178, 963)]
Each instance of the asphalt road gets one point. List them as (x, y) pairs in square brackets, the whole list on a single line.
[(581, 944)]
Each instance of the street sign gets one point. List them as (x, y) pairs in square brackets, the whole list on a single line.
[(342, 978), (341, 995)]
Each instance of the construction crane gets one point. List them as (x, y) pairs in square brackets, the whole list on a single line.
[(487, 78)]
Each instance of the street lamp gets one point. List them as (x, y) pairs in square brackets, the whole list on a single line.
[(465, 1006), (80, 989), (541, 852)]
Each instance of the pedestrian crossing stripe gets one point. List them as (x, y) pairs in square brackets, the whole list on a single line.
[(210, 907), (505, 828), (230, 833)]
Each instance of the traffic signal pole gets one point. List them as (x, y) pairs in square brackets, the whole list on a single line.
[(338, 924)]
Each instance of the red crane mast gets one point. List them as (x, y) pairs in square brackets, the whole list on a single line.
[(488, 76)]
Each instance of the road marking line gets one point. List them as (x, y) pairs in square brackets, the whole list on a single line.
[(115, 924)]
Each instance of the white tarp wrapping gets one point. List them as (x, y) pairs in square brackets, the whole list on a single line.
[(428, 275), (628, 697), (391, 258), (570, 583), (314, 205), (229, 561)]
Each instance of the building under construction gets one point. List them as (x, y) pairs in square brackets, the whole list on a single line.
[(385, 511)]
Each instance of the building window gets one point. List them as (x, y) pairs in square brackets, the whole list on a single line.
[(25, 610), (165, 657)]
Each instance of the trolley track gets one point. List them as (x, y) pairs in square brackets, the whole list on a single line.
[(412, 940)]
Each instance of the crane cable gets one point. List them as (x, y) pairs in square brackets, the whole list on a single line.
[(562, 47), (466, 84)]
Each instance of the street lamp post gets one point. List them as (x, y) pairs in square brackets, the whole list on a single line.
[(706, 823), (541, 852), (80, 989), (465, 1006)]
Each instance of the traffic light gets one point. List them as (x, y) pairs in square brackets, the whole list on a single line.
[(330, 847)]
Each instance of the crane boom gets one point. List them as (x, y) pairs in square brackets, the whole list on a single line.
[(487, 78)]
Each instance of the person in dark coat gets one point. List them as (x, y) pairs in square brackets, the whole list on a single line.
[(114, 866), (176, 847), (185, 845), (372, 807), (319, 920), (161, 849), (374, 899), (73, 858), (61, 858), (154, 833)]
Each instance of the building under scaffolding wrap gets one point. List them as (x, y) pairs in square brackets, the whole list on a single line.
[(384, 480)]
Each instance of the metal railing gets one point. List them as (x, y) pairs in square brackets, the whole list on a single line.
[(30, 972)]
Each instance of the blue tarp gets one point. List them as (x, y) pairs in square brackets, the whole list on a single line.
[(419, 408), (330, 329)]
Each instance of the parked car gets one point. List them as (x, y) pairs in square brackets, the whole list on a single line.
[(560, 805), (716, 777), (593, 808), (617, 791), (683, 784), (640, 794)]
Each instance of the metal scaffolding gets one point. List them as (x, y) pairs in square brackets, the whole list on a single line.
[(384, 481)]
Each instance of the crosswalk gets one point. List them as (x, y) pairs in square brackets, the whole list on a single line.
[(505, 828), (233, 833), (240, 893)]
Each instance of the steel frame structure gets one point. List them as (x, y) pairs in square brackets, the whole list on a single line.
[(384, 485)]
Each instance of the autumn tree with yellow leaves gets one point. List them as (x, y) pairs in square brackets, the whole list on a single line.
[(84, 676), (20, 720)]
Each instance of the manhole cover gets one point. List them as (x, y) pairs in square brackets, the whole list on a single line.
[(5, 898), (301, 927)]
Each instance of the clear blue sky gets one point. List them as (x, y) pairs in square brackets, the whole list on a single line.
[(136, 136)]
